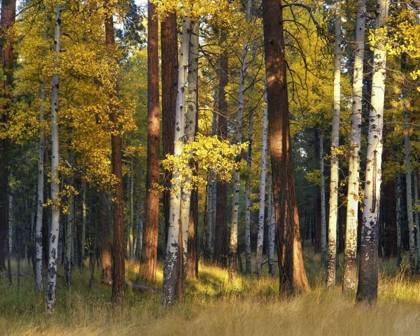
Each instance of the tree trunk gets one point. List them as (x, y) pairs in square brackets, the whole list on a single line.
[(169, 50), (55, 209), (289, 249), (171, 269), (220, 248), (335, 135), (271, 223), (411, 232), (191, 128), (69, 229), (350, 248), (104, 236), (398, 223), (149, 255), (39, 285), (323, 203), (367, 290), (248, 195), (8, 10), (260, 239), (84, 210), (416, 213), (130, 251), (118, 269)]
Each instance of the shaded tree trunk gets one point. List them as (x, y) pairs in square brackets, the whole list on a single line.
[(289, 249), (104, 236), (220, 235), (323, 203), (271, 223)]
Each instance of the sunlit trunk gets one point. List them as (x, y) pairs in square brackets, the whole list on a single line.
[(350, 248)]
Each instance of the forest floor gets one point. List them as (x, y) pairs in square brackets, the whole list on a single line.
[(250, 306)]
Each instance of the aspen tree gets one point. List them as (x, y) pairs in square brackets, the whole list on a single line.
[(416, 213), (271, 224), (398, 197), (55, 210), (248, 194), (335, 135), (233, 247), (69, 240), (172, 248), (260, 237), (367, 289), (350, 248), (323, 203)]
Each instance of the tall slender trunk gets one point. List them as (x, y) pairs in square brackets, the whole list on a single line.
[(260, 237), (292, 274), (350, 248), (131, 228), (139, 250), (409, 194), (367, 289), (190, 219), (69, 230), (39, 285), (398, 223), (335, 135), (84, 213), (169, 50), (237, 174), (248, 194), (171, 269), (8, 10), (220, 248), (323, 203), (271, 223), (149, 256), (104, 236), (416, 214), (118, 269), (55, 189)]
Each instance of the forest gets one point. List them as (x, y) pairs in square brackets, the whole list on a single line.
[(214, 167)]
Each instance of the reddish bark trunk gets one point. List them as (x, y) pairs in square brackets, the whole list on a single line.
[(149, 255), (8, 9), (220, 242), (169, 50), (289, 251)]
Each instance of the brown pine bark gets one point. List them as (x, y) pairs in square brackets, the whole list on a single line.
[(105, 239), (289, 251), (8, 9), (169, 51), (150, 238), (220, 242), (118, 274)]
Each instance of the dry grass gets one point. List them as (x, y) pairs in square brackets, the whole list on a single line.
[(251, 306)]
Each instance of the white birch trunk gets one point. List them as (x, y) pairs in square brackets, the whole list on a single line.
[(233, 246), (368, 275), (55, 211), (335, 134), (260, 237), (350, 247), (412, 244), (190, 128), (248, 195), (39, 285), (271, 223), (171, 268)]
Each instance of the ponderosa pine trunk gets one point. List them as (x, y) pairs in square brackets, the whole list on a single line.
[(260, 237), (8, 10), (350, 248), (55, 188), (171, 269), (292, 273), (118, 267), (367, 290), (220, 234), (169, 51), (335, 136), (151, 230)]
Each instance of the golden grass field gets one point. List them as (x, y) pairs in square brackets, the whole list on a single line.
[(251, 306)]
